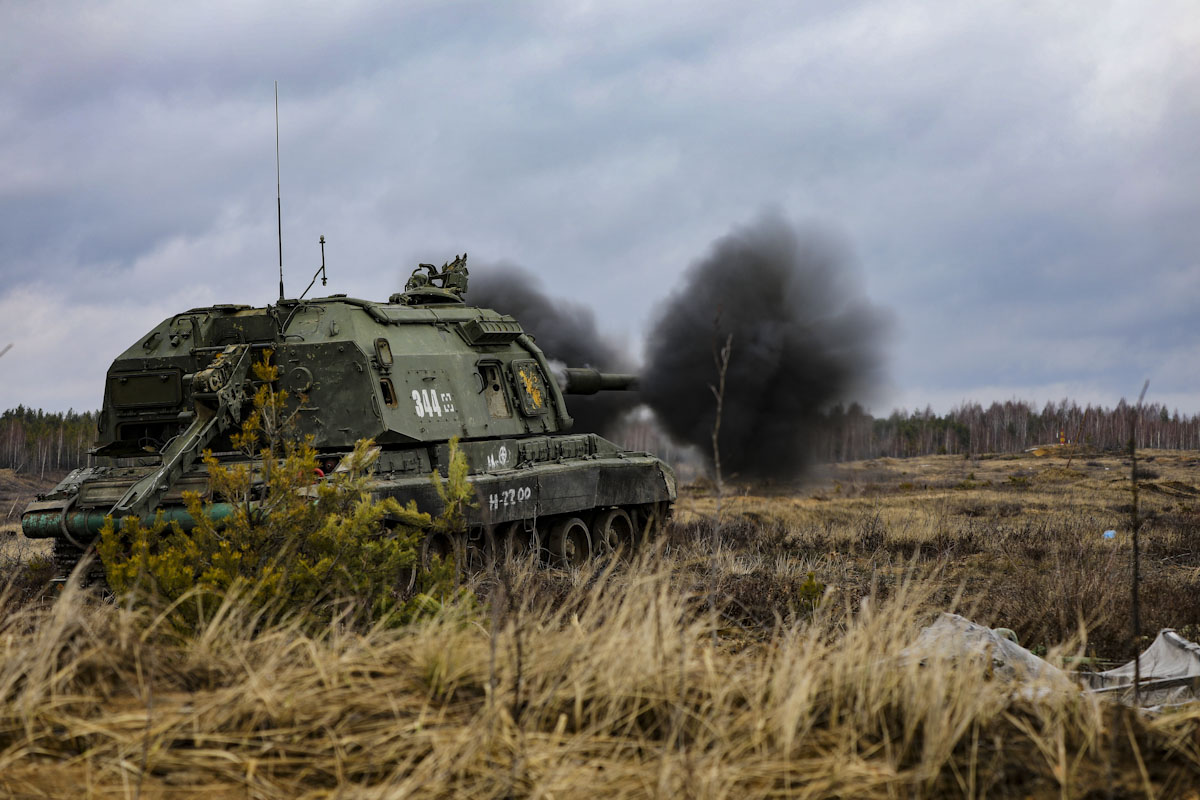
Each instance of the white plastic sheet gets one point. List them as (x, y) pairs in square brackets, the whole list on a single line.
[(1170, 667), (1170, 673)]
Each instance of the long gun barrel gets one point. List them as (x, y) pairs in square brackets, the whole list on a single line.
[(589, 381)]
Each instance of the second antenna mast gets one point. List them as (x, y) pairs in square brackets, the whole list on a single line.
[(278, 193)]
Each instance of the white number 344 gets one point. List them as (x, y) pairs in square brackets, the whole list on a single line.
[(430, 403)]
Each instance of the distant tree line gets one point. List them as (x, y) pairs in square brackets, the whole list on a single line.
[(851, 434), (39, 442)]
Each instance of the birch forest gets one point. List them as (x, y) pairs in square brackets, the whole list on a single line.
[(850, 433), (44, 443)]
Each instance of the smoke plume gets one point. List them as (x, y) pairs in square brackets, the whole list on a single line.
[(802, 340), (566, 332)]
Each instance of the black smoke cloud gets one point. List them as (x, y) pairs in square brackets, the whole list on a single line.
[(566, 331), (803, 339)]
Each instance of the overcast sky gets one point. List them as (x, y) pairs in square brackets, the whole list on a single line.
[(1019, 182)]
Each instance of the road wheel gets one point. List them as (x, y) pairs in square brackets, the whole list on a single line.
[(614, 532), (651, 520), (406, 581), (443, 546), (515, 542), (475, 555), (570, 543)]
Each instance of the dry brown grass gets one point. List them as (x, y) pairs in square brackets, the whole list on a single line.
[(15, 548), (18, 488), (1016, 539), (623, 684), (615, 688)]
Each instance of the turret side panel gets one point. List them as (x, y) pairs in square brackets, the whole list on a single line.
[(331, 388), (432, 385)]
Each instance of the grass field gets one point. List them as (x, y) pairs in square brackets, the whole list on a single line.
[(714, 666), (1018, 540)]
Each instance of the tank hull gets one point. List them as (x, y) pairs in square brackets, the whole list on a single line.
[(410, 374), (521, 493)]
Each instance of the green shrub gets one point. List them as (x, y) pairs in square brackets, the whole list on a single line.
[(811, 592), (292, 543)]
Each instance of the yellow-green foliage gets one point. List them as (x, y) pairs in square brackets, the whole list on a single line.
[(290, 541), (455, 492), (811, 592)]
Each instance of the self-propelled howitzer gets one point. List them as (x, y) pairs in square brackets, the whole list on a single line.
[(409, 373)]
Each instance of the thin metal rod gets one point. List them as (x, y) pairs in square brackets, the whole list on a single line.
[(320, 271), (278, 193), (1135, 523)]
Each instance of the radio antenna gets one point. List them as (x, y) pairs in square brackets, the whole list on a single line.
[(320, 271), (278, 193)]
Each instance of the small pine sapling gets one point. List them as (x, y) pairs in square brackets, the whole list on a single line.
[(282, 537)]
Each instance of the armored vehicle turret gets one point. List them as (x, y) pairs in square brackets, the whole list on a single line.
[(409, 373)]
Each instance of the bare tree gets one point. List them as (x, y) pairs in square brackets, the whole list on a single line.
[(721, 357), (1134, 524)]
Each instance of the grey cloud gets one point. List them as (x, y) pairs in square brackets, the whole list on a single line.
[(1019, 182)]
